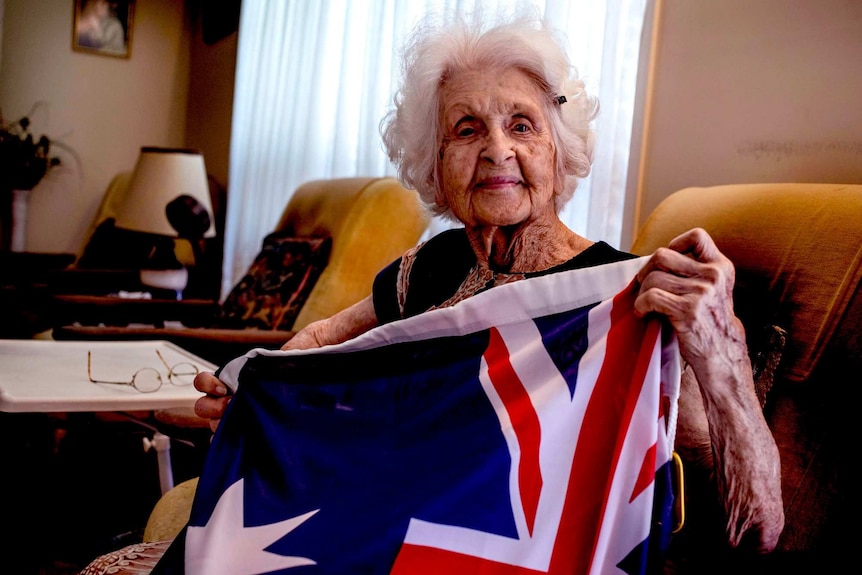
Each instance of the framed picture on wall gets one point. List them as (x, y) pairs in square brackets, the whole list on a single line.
[(103, 27)]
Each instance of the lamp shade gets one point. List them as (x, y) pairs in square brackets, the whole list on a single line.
[(163, 176)]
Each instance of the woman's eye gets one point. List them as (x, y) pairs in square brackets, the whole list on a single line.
[(521, 128), (465, 132)]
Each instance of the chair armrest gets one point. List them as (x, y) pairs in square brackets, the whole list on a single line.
[(214, 345), (116, 311)]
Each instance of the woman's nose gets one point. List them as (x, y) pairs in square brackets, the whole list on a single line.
[(499, 147)]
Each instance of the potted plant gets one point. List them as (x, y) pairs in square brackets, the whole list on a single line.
[(24, 161)]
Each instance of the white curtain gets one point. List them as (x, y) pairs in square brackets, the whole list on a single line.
[(314, 79)]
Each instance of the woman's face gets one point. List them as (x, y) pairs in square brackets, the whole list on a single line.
[(497, 154)]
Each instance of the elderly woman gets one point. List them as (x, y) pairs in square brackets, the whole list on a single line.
[(491, 127)]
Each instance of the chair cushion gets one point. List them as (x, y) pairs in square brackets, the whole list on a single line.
[(277, 284), (135, 559), (171, 512)]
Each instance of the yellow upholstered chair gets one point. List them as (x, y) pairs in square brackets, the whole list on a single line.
[(171, 512), (371, 221), (798, 255), (797, 249)]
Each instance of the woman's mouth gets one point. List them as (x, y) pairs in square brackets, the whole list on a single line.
[(498, 182)]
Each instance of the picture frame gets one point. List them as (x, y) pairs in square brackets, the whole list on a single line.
[(103, 27)]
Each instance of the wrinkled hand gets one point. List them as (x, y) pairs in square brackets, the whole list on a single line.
[(212, 405), (691, 284)]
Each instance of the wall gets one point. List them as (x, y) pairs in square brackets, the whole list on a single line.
[(210, 101), (101, 110), (740, 91)]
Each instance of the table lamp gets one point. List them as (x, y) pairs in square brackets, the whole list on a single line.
[(168, 196)]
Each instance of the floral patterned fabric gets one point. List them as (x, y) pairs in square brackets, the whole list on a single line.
[(135, 559), (277, 284)]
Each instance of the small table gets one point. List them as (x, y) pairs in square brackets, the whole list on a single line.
[(51, 376)]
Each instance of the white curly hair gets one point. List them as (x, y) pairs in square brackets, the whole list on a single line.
[(411, 129)]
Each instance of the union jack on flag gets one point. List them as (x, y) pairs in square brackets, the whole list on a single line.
[(526, 430)]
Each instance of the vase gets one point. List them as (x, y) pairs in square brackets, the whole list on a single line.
[(20, 201)]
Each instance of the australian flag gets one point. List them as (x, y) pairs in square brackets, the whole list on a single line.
[(526, 430)]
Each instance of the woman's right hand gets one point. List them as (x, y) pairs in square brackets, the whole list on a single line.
[(212, 405)]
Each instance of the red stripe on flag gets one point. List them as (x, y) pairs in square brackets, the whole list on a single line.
[(606, 422), (608, 413), (646, 476), (524, 419), (647, 473)]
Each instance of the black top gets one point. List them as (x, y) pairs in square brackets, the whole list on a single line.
[(442, 264)]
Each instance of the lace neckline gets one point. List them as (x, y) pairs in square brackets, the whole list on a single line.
[(480, 278)]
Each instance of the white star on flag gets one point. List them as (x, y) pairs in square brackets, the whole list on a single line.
[(205, 545)]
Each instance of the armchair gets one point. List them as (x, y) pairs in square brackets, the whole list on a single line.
[(797, 249), (369, 221)]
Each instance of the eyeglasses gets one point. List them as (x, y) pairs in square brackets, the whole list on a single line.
[(148, 379)]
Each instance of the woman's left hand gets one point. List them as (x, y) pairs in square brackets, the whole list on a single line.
[(691, 284)]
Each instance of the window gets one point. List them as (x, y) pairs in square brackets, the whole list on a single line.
[(315, 78)]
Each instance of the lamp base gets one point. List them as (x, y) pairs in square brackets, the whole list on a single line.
[(174, 280)]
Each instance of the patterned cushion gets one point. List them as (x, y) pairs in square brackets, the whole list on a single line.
[(277, 284), (136, 559), (766, 350)]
